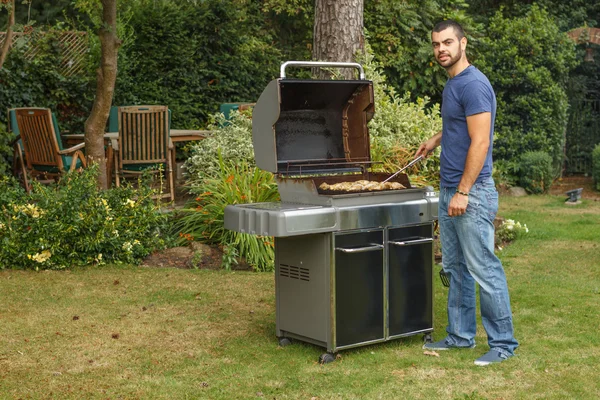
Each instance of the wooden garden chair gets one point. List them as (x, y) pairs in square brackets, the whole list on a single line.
[(18, 163), (44, 157), (144, 144)]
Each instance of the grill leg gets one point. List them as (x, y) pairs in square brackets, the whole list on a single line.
[(326, 358), (427, 338)]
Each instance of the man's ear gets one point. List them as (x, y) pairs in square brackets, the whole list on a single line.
[(463, 42)]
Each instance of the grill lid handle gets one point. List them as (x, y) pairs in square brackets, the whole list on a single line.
[(322, 64)]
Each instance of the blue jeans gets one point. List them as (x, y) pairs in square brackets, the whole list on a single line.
[(468, 257)]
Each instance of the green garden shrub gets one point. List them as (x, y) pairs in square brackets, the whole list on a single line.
[(73, 223), (536, 173), (232, 182), (506, 173), (232, 141), (529, 82), (596, 166)]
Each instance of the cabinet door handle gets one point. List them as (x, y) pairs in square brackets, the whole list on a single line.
[(372, 247), (411, 242)]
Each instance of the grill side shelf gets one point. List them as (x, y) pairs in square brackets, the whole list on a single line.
[(280, 219), (293, 219)]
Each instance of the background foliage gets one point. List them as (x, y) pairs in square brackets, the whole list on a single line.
[(39, 83), (212, 52), (529, 82), (400, 34)]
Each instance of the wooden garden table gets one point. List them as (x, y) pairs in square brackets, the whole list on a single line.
[(112, 141)]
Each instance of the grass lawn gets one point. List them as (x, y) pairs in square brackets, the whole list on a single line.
[(145, 333)]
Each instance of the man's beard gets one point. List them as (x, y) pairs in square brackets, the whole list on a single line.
[(453, 59)]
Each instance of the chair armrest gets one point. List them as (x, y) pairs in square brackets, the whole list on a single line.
[(15, 140), (72, 149), (114, 143)]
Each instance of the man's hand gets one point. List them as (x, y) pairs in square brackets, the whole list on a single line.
[(427, 147), (458, 205)]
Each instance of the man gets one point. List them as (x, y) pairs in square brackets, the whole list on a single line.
[(468, 202)]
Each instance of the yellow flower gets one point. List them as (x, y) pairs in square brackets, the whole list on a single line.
[(40, 257), (129, 203), (29, 209)]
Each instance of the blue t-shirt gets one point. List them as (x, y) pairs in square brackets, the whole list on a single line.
[(468, 93)]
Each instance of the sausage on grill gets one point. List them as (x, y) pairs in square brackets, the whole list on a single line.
[(361, 186)]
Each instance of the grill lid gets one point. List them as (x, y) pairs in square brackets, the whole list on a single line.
[(313, 126)]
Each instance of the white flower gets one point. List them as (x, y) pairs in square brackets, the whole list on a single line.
[(115, 233), (127, 246)]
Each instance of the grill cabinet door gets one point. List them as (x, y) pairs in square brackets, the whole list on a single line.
[(410, 279), (359, 268)]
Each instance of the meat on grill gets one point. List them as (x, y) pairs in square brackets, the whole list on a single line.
[(361, 186)]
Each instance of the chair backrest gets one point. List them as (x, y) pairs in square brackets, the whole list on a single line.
[(143, 135), (113, 119), (12, 122), (40, 142), (14, 127)]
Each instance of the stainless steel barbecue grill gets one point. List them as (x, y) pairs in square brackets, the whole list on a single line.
[(351, 268)]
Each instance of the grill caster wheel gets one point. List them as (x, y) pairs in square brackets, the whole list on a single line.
[(283, 341), (427, 338), (326, 358)]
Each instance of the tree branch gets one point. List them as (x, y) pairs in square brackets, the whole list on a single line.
[(9, 33)]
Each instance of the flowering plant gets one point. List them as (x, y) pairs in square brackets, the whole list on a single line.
[(511, 230), (74, 223)]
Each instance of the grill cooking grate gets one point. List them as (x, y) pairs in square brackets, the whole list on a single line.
[(293, 272)]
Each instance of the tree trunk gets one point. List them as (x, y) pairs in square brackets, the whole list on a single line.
[(9, 33), (338, 33), (105, 87)]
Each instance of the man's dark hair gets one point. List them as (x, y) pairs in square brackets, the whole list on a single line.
[(442, 25)]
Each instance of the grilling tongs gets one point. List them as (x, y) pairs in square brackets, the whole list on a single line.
[(410, 164)]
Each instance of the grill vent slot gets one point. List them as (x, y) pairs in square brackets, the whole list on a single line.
[(293, 272)]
